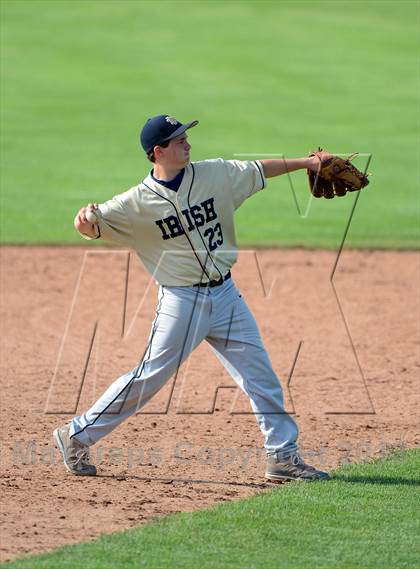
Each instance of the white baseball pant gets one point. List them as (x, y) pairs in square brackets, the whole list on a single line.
[(185, 316)]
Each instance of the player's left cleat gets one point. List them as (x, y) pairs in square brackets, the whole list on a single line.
[(280, 469), (75, 454)]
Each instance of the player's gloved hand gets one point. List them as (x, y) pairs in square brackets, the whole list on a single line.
[(331, 175), (317, 159)]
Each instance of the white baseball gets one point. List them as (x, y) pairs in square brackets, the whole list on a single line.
[(91, 216)]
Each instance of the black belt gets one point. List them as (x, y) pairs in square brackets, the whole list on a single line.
[(211, 284)]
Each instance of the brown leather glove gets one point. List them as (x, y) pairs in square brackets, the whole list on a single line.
[(335, 177)]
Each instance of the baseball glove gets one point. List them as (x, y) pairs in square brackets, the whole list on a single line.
[(335, 177)]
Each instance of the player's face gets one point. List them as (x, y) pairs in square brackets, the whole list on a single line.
[(177, 153)]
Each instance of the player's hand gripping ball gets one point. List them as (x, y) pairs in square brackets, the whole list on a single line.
[(335, 176), (91, 216)]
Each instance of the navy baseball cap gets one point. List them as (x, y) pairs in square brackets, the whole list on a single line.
[(160, 129)]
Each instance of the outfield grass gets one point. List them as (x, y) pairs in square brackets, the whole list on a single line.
[(366, 517), (78, 78)]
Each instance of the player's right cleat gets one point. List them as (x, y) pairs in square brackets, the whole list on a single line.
[(292, 468), (75, 454)]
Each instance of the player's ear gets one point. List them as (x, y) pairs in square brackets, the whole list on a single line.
[(158, 151)]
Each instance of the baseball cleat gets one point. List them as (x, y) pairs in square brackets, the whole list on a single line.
[(280, 469), (75, 454)]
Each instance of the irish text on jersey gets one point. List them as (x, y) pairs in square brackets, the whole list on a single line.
[(195, 217)]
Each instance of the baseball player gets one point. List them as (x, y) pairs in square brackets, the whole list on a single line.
[(180, 222)]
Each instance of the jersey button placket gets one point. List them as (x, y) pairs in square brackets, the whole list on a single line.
[(193, 238)]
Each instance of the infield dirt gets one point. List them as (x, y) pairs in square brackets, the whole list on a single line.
[(346, 351)]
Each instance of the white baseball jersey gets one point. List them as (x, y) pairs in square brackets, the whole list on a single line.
[(186, 236)]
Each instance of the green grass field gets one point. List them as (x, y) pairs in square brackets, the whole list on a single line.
[(366, 517), (79, 78)]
